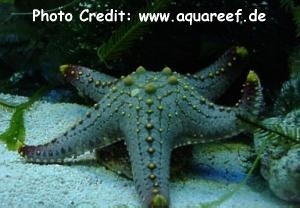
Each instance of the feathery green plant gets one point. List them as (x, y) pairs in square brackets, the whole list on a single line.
[(289, 97), (275, 129), (287, 4), (294, 62), (229, 194), (267, 130), (294, 9), (15, 134), (70, 4), (126, 34), (7, 1), (285, 132), (16, 33)]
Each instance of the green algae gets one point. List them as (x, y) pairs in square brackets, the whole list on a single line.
[(14, 136), (292, 7), (266, 131), (60, 8), (126, 34), (229, 194)]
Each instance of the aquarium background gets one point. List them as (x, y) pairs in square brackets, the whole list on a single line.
[(31, 54)]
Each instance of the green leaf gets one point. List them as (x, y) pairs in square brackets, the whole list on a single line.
[(20, 31), (15, 134), (296, 19), (270, 129), (126, 34), (287, 4), (289, 97), (62, 7), (294, 62), (290, 6), (276, 128), (7, 1)]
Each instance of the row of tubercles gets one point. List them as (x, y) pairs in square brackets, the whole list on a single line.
[(149, 139), (75, 72), (202, 101), (65, 150), (249, 89), (159, 200), (45, 153), (188, 90), (151, 150), (150, 89), (237, 52), (95, 113)]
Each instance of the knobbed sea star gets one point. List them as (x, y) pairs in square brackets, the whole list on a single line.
[(154, 112)]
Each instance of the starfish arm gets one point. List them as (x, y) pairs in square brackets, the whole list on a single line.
[(212, 82), (210, 122), (150, 170), (88, 82), (149, 145), (97, 129)]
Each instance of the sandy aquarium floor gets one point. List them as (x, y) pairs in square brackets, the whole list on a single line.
[(87, 185)]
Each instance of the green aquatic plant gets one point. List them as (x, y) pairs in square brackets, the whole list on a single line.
[(229, 194), (13, 34), (18, 49), (292, 7), (288, 98), (268, 130), (59, 8), (294, 63), (287, 4), (52, 44), (273, 130), (126, 34), (14, 136), (7, 1)]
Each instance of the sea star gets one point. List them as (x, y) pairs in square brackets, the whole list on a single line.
[(153, 112)]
